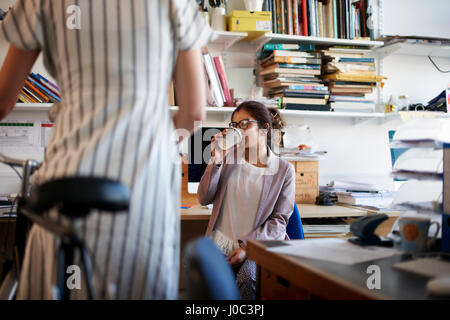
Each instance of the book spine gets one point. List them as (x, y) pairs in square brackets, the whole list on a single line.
[(301, 87), (329, 19), (290, 16), (214, 80), (335, 20), (316, 17), (342, 19), (22, 98), (301, 54), (304, 18), (223, 80), (347, 19), (296, 60), (320, 18), (296, 17), (44, 84), (351, 20), (306, 107), (31, 92), (282, 16), (362, 7), (36, 91), (217, 80), (29, 97), (48, 82), (279, 17), (41, 87), (311, 17), (274, 15)]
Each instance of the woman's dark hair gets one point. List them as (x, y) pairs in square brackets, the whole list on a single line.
[(264, 116)]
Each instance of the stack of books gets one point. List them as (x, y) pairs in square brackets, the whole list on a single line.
[(344, 19), (350, 76), (290, 72), (38, 89)]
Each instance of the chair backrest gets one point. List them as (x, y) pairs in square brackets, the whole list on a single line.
[(208, 275), (294, 229)]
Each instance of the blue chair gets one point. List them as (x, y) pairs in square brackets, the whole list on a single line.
[(208, 275), (294, 229)]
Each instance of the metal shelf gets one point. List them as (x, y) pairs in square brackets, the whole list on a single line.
[(311, 114), (321, 41), (224, 40), (412, 49)]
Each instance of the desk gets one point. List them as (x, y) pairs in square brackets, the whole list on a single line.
[(288, 277), (197, 213)]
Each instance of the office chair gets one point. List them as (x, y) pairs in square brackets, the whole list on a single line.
[(208, 275), (294, 229)]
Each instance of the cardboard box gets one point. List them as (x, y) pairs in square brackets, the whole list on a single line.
[(306, 181), (250, 21)]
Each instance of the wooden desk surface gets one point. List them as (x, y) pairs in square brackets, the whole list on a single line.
[(195, 213), (315, 211), (335, 281), (306, 211)]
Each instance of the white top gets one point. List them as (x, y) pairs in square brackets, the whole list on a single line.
[(241, 202)]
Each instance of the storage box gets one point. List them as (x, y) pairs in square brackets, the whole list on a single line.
[(306, 181), (250, 21)]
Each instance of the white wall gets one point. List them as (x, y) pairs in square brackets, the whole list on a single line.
[(408, 74), (426, 18)]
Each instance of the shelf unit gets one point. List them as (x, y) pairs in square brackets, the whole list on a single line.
[(322, 42), (238, 48), (224, 40)]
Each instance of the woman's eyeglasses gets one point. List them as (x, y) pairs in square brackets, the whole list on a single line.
[(243, 124)]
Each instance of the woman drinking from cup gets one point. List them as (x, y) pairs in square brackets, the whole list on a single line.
[(252, 190)]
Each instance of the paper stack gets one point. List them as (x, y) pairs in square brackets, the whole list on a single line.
[(422, 164)]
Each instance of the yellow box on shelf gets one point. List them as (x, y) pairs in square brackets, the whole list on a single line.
[(249, 21)]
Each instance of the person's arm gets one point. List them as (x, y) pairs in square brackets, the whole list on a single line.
[(274, 228), (16, 67), (189, 81)]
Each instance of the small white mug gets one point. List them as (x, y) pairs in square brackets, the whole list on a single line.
[(231, 138), (218, 19)]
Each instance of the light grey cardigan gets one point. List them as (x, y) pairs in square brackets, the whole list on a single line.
[(277, 199)]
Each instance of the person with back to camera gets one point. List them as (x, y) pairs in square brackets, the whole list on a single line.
[(113, 70), (252, 191)]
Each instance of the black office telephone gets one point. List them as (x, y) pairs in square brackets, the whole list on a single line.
[(364, 230)]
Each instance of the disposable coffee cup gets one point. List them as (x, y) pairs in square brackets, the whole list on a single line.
[(231, 138)]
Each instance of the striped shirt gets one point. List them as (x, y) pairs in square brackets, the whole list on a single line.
[(113, 61)]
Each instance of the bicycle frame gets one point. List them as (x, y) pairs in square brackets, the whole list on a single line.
[(69, 240)]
